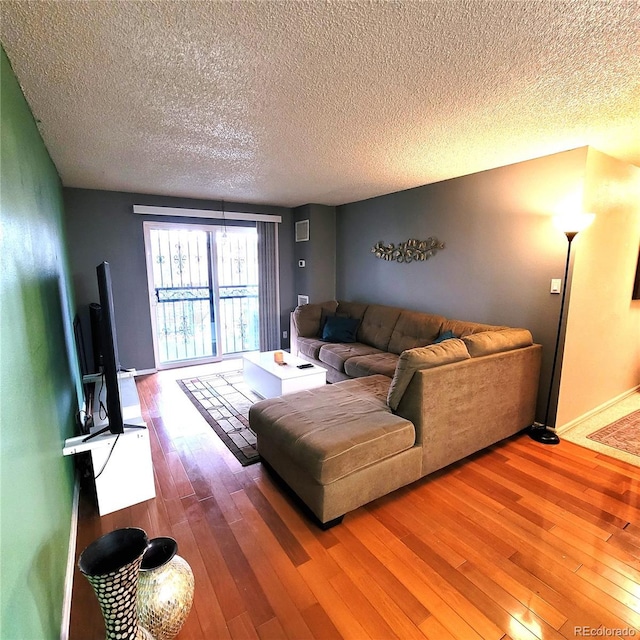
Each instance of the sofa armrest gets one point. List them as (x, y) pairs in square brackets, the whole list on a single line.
[(462, 407), (306, 321)]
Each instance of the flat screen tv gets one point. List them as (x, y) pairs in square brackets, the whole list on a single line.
[(109, 353)]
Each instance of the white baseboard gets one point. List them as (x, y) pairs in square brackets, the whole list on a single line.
[(71, 562), (593, 412), (145, 372)]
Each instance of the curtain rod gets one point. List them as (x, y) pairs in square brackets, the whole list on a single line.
[(204, 213)]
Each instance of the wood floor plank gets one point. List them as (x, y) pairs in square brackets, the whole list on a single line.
[(279, 598), (578, 457), (242, 628), (611, 613), (338, 612), (237, 564), (276, 555), (305, 532), (454, 514), (592, 548), (229, 596), (432, 629), (615, 506), (609, 481), (575, 490), (607, 586), (479, 610), (566, 519), (379, 599), (542, 601), (269, 515), (211, 474), (320, 624), (402, 563), (210, 618), (368, 616), (418, 522), (520, 617), (627, 540), (178, 474), (517, 541), (382, 576), (535, 480), (271, 630), (513, 530)]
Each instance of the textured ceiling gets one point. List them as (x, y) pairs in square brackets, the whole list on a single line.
[(326, 102)]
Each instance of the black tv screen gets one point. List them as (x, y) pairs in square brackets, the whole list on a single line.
[(109, 349)]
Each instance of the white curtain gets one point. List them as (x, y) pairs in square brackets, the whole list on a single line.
[(268, 293)]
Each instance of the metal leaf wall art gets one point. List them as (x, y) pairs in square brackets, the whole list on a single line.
[(412, 249)]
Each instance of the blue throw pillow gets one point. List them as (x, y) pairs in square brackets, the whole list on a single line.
[(447, 335), (339, 329)]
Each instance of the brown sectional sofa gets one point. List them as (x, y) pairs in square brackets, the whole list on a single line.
[(402, 406)]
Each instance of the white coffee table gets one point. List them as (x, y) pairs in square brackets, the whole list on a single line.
[(269, 379)]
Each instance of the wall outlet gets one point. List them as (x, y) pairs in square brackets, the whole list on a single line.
[(285, 335), (302, 263)]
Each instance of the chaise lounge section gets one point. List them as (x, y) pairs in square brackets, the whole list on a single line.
[(341, 446)]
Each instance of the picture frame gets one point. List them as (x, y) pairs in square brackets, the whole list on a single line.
[(302, 231)]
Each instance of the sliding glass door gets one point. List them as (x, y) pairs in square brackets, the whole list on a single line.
[(237, 286), (203, 291)]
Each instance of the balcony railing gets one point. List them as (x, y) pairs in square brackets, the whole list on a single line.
[(184, 321)]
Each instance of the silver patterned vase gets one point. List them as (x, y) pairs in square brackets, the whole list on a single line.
[(165, 589), (111, 564)]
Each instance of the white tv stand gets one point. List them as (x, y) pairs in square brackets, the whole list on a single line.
[(122, 462)]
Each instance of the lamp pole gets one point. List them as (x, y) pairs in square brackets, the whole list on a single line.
[(542, 432)]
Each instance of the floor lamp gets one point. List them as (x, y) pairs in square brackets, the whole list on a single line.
[(571, 226)]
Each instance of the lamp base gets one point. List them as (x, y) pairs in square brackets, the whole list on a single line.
[(544, 435)]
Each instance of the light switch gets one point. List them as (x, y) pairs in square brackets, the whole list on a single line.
[(556, 285)]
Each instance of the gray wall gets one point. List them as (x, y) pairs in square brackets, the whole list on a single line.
[(318, 278), (101, 226), (501, 247)]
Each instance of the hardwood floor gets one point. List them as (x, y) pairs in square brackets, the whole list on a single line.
[(519, 541)]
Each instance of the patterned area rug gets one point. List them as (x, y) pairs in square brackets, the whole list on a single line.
[(623, 434), (223, 400)]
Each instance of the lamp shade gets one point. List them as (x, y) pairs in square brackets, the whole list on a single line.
[(573, 222)]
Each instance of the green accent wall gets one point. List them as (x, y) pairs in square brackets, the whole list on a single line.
[(39, 380)]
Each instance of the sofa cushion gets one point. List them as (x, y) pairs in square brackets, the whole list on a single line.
[(377, 325), (410, 361), (487, 342), (351, 309), (307, 318), (339, 329), (336, 430), (335, 355), (461, 328), (310, 347), (414, 329), (382, 363)]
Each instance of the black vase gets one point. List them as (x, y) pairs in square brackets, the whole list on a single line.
[(111, 564)]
